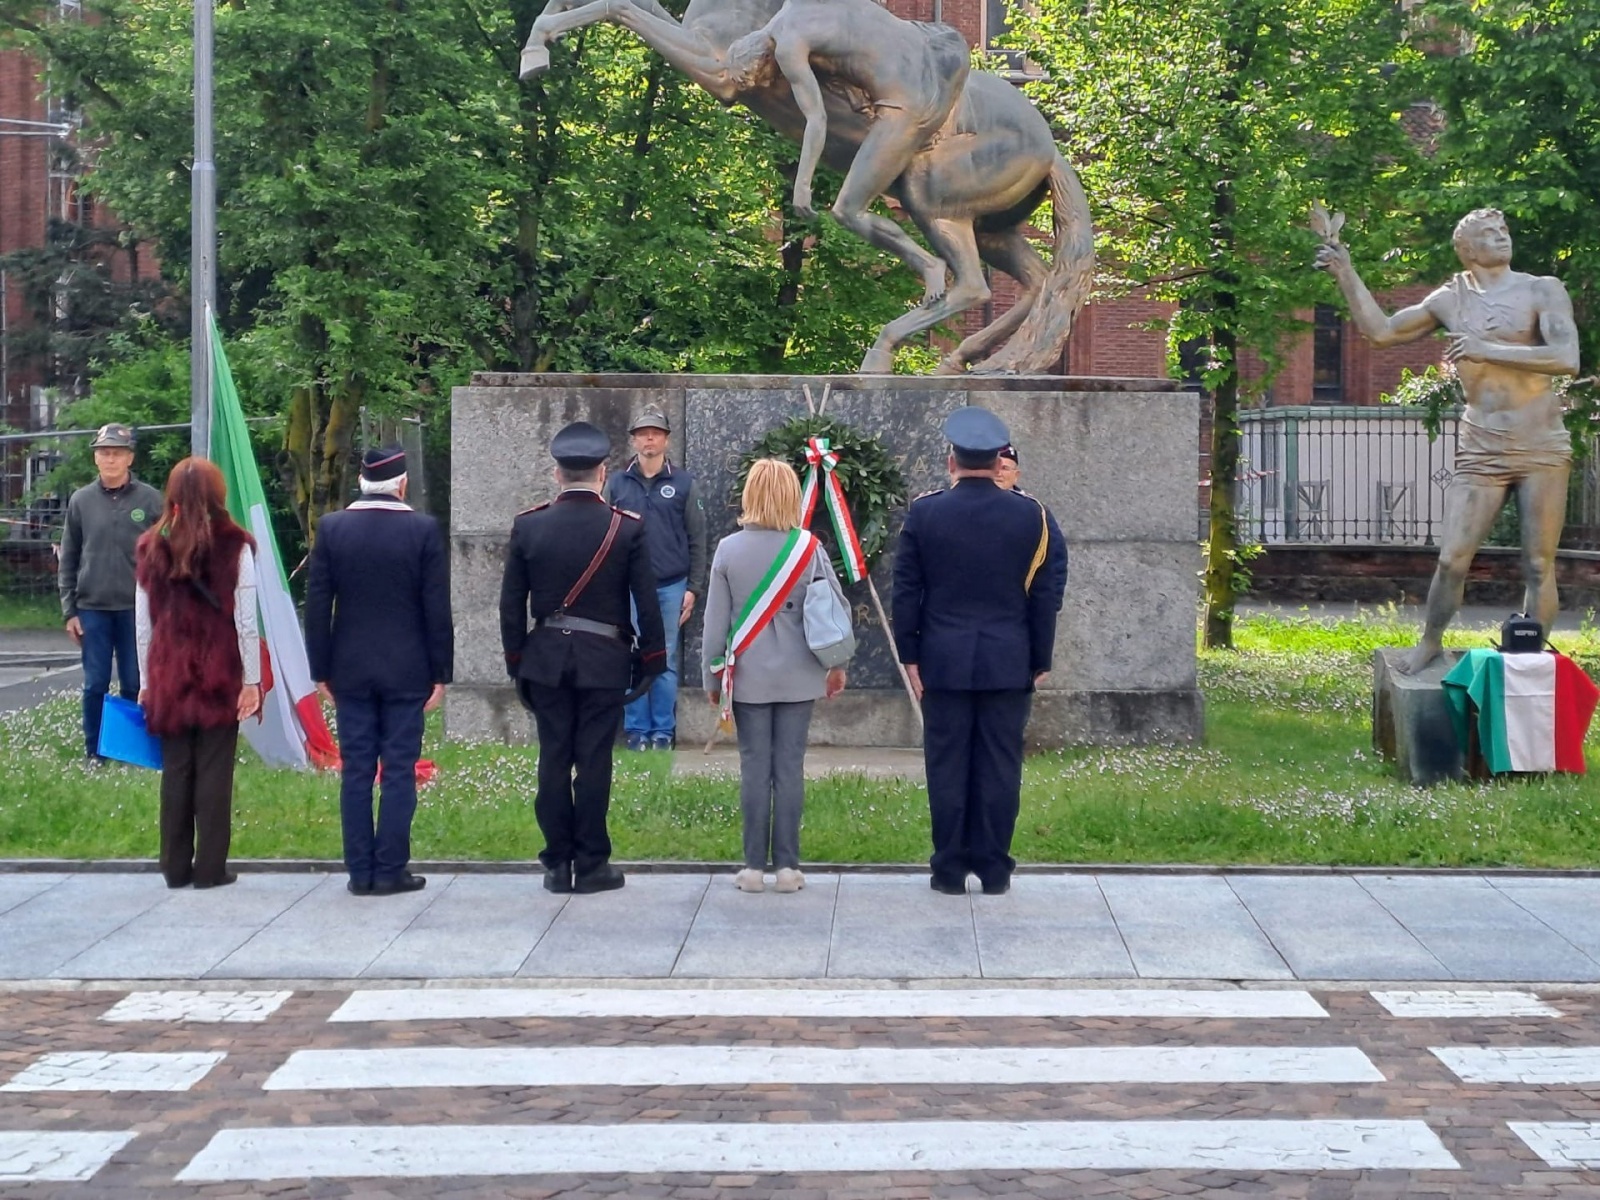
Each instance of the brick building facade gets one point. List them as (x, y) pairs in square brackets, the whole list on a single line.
[(40, 157)]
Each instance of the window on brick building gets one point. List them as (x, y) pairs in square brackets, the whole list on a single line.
[(996, 25), (1327, 356), (1194, 356)]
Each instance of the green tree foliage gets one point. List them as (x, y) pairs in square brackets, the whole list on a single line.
[(395, 209), (1518, 84), (1203, 130)]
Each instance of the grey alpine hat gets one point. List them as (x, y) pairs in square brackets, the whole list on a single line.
[(113, 437), (651, 418)]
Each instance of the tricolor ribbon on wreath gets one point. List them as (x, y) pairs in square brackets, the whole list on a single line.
[(820, 479), (784, 575)]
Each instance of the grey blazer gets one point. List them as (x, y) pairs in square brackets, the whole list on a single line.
[(779, 667)]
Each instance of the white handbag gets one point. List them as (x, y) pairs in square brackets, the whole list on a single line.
[(827, 621)]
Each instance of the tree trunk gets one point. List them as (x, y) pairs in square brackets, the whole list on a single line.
[(792, 258), (1222, 542)]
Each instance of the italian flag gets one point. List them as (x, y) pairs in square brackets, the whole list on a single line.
[(291, 731), (1533, 709)]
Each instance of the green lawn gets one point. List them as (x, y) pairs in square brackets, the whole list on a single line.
[(30, 611), (1286, 774)]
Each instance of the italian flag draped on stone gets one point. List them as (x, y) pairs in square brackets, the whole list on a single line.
[(291, 731), (1532, 709)]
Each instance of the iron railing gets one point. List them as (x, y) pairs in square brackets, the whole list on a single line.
[(1343, 475)]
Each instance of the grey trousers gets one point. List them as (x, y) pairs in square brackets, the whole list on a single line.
[(772, 782)]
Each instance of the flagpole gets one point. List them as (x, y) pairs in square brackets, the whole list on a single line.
[(203, 238)]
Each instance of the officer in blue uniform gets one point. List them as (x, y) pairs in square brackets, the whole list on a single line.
[(979, 574), (573, 565)]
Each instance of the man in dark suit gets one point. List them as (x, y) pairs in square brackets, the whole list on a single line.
[(381, 647), (979, 573), (573, 565)]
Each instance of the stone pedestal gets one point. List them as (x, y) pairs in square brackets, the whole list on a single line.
[(1113, 458), (1411, 724)]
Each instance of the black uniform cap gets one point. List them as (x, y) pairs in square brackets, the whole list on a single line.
[(580, 446), (386, 462), (1010, 451), (976, 436)]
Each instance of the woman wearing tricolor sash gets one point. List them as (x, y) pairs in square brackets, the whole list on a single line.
[(758, 668)]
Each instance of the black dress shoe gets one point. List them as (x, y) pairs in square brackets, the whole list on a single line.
[(998, 887), (558, 878), (227, 878), (407, 882), (179, 881), (359, 889), (948, 887), (602, 879)]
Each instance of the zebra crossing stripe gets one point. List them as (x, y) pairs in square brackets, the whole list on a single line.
[(100, 1071), (712, 1066), (47, 1156), (420, 1151), (1464, 1004), (1572, 1145), (462, 1004), (218, 1006), (1551, 1065)]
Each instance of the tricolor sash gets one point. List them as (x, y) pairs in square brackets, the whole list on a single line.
[(782, 577)]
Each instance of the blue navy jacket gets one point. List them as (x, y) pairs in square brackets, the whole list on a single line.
[(378, 602), (674, 520), (964, 613)]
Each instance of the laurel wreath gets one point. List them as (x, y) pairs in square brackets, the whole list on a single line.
[(873, 486)]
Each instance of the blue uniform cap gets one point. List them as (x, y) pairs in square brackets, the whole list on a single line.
[(580, 446), (382, 463), (976, 436)]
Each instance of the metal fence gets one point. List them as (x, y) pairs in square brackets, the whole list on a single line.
[(1369, 476)]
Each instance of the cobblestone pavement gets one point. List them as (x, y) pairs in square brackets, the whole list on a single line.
[(1002, 1105)]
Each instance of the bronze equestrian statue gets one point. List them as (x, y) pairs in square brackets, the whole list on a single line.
[(890, 103)]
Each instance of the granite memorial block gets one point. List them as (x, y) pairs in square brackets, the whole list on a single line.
[(1113, 458)]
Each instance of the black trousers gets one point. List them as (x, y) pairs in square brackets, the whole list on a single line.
[(972, 749), (197, 804), (577, 729)]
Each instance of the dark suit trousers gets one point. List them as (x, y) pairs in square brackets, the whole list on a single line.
[(373, 728), (577, 730), (197, 804), (972, 749)]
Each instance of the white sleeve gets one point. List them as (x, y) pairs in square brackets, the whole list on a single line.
[(244, 617), (141, 631)]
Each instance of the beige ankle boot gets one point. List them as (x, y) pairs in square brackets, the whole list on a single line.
[(789, 880), (750, 880)]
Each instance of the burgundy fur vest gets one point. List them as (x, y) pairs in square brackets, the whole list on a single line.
[(193, 675)]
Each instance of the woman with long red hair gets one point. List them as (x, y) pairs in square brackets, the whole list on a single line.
[(200, 660)]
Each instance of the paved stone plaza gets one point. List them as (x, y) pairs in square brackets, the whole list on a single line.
[(1130, 1034), (1317, 926)]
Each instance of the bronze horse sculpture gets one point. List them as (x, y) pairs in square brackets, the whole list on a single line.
[(970, 189)]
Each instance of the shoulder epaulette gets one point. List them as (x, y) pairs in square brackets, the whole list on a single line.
[(534, 509), (926, 494), (626, 512)]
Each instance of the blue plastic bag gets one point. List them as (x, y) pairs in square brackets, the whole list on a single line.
[(124, 737)]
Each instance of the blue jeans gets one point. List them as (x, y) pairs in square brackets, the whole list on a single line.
[(655, 714), (106, 632), (378, 728)]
